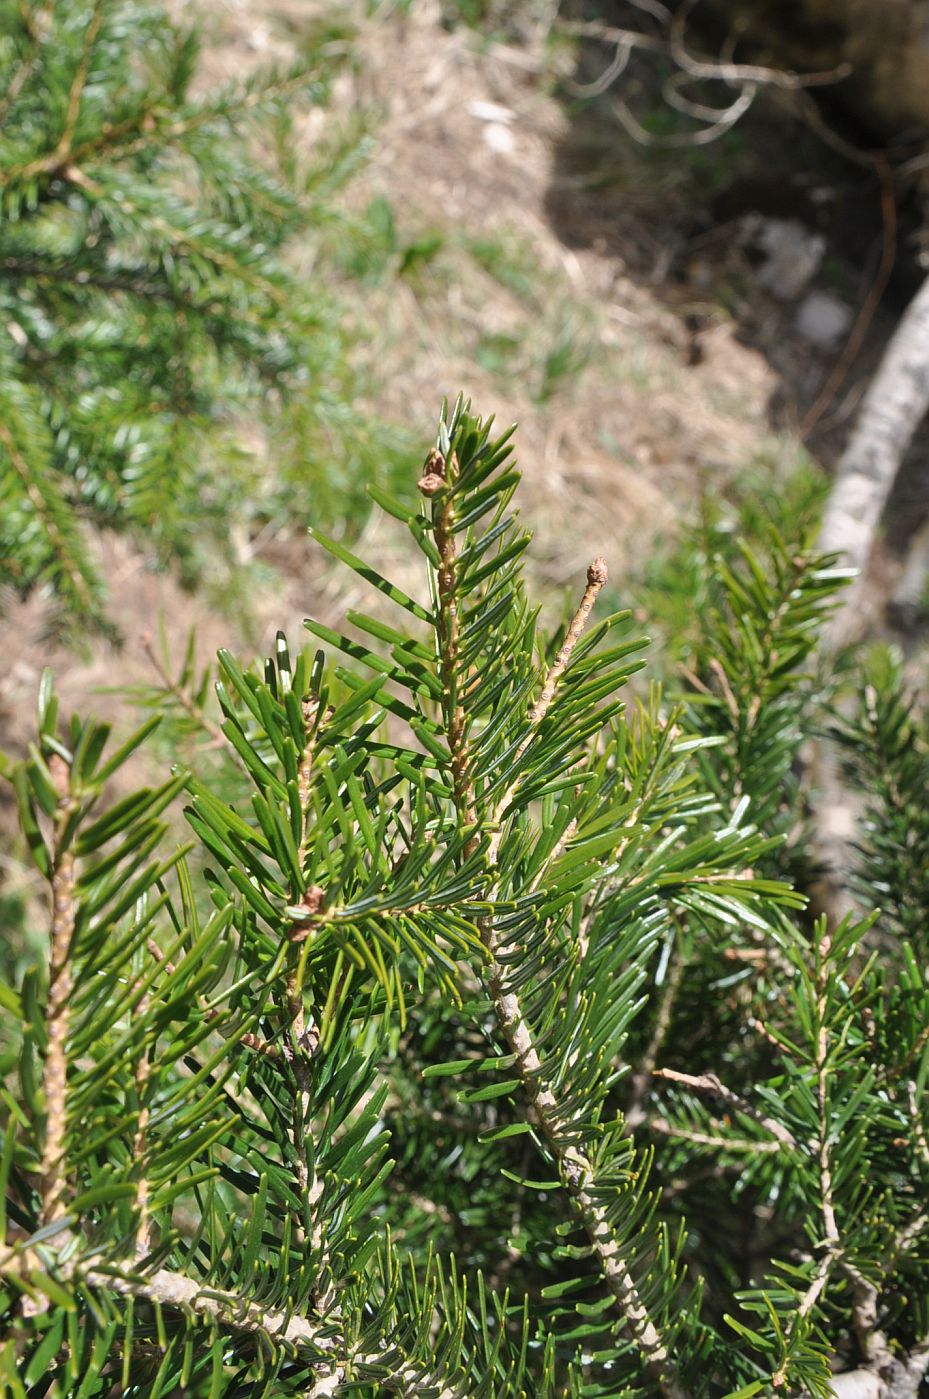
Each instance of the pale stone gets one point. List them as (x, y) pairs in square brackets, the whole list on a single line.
[(823, 319), (499, 138)]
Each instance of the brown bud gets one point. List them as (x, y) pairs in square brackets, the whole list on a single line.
[(434, 465), (597, 573), (312, 899), (431, 484), (60, 774)]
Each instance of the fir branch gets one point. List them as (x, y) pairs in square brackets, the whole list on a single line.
[(918, 1127), (912, 1230), (305, 1041), (210, 1013), (191, 238), (57, 1009), (597, 576), (437, 476), (136, 281), (558, 849), (721, 1143), (34, 21), (123, 202), (142, 1076), (166, 1288), (872, 1340), (147, 131), (79, 82), (405, 1379), (886, 756), (184, 699), (561, 824), (824, 1145), (829, 1238), (803, 1309), (47, 512), (577, 1173), (574, 1166), (686, 1134), (641, 1079), (146, 128)]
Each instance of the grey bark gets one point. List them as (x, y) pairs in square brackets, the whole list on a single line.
[(893, 408), (856, 1384), (901, 1381)]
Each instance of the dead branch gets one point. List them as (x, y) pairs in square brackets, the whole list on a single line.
[(749, 78), (717, 71), (712, 1087)]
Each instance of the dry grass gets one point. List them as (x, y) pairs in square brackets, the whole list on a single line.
[(622, 444)]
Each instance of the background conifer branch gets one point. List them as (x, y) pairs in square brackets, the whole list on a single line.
[(78, 83), (710, 1085), (181, 694)]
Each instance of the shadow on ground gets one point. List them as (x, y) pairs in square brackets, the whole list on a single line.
[(769, 226)]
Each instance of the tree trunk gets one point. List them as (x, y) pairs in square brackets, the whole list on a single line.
[(892, 410)]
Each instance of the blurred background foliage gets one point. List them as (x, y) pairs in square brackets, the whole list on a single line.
[(154, 331)]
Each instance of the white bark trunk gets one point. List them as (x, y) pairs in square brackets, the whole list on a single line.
[(856, 1384), (892, 410)]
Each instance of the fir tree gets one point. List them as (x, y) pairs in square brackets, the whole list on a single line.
[(402, 1075)]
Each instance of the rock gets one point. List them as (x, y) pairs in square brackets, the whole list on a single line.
[(497, 120), (491, 111), (823, 318), (499, 138), (791, 254)]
